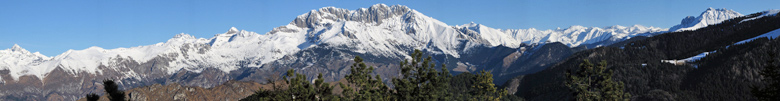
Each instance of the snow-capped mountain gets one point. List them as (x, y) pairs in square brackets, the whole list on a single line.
[(17, 58), (380, 31), (572, 36), (710, 16)]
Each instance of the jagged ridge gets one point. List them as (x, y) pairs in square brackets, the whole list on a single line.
[(379, 30)]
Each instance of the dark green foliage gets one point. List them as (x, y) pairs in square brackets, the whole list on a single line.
[(297, 83), (485, 90), (420, 81), (367, 87), (323, 90), (590, 83), (298, 89), (461, 85), (92, 97), (684, 44), (114, 94), (462, 88), (771, 74)]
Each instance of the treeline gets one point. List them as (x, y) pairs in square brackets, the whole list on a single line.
[(418, 81)]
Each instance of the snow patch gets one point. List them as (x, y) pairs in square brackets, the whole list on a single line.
[(573, 36), (771, 12), (689, 59), (772, 34)]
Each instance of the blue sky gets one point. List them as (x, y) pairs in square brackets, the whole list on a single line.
[(53, 27)]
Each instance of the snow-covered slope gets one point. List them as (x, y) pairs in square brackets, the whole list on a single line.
[(771, 12), (380, 30), (17, 58), (771, 35), (187, 52), (710, 16), (689, 59), (17, 55), (572, 36)]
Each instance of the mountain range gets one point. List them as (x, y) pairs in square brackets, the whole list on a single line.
[(319, 41)]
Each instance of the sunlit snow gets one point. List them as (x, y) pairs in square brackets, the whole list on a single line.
[(380, 30)]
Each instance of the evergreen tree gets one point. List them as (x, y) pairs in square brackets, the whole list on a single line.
[(299, 89), (323, 90), (367, 87), (485, 89), (114, 94), (420, 81), (591, 83), (771, 74), (92, 97)]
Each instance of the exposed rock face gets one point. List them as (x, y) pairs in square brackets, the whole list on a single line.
[(374, 14)]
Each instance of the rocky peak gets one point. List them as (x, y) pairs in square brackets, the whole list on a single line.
[(710, 16), (688, 20), (326, 15), (713, 16), (233, 30), (17, 48), (183, 36)]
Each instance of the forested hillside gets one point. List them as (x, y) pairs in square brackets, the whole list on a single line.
[(725, 74)]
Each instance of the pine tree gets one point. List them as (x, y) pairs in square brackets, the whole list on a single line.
[(367, 87), (591, 83), (323, 90), (92, 97), (420, 81), (442, 85), (771, 74), (114, 94), (299, 89), (485, 89)]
